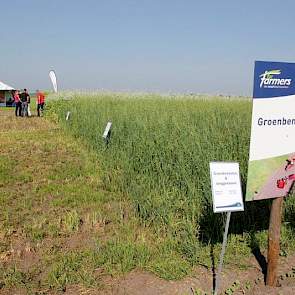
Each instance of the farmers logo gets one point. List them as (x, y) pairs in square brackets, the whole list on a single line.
[(270, 79)]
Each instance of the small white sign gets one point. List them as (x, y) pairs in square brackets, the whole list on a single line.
[(68, 116), (107, 130), (226, 187)]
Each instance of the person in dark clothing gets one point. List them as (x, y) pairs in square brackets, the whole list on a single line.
[(25, 99)]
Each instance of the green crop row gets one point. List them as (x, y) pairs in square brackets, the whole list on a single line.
[(158, 157)]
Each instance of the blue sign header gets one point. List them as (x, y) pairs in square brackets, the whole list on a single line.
[(273, 79)]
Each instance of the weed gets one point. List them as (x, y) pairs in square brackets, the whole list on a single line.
[(248, 285), (71, 221), (119, 256), (71, 268), (234, 287), (13, 277)]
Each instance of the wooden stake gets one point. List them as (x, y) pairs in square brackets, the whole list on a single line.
[(274, 233)]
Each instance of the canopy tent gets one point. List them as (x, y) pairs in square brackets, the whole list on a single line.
[(5, 94), (4, 86)]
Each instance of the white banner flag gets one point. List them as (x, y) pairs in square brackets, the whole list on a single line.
[(53, 80)]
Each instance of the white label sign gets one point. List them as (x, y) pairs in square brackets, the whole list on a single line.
[(107, 130), (226, 187)]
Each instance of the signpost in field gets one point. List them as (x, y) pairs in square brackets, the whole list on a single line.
[(107, 132), (227, 197), (271, 171)]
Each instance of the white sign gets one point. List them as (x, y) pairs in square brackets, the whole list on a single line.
[(226, 187), (107, 130), (273, 123), (271, 166), (68, 116)]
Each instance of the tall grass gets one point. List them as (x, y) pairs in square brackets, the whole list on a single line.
[(159, 155)]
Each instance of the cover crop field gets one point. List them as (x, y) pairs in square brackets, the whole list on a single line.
[(159, 156), (78, 214)]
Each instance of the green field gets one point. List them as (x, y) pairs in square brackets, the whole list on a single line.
[(160, 151), (159, 157), (77, 210)]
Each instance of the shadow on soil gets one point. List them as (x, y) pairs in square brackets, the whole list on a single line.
[(254, 218), (213, 269), (255, 248)]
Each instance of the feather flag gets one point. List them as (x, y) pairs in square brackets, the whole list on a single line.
[(53, 80)]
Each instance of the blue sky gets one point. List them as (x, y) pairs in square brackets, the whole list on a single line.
[(143, 45)]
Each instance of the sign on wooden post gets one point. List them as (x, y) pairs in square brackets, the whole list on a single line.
[(107, 132), (271, 171), (227, 197), (68, 116)]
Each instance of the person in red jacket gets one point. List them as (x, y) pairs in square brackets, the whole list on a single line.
[(40, 102)]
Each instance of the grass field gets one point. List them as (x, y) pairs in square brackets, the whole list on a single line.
[(160, 152), (159, 157), (76, 210)]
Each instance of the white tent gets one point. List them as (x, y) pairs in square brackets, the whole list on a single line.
[(5, 94), (4, 86)]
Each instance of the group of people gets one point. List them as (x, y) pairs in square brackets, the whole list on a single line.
[(22, 102)]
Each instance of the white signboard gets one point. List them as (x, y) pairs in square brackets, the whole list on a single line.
[(226, 187), (271, 170), (107, 130)]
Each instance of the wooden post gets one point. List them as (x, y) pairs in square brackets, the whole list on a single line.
[(274, 233)]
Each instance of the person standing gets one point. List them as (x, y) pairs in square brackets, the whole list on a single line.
[(18, 103), (25, 98), (29, 101), (40, 102)]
